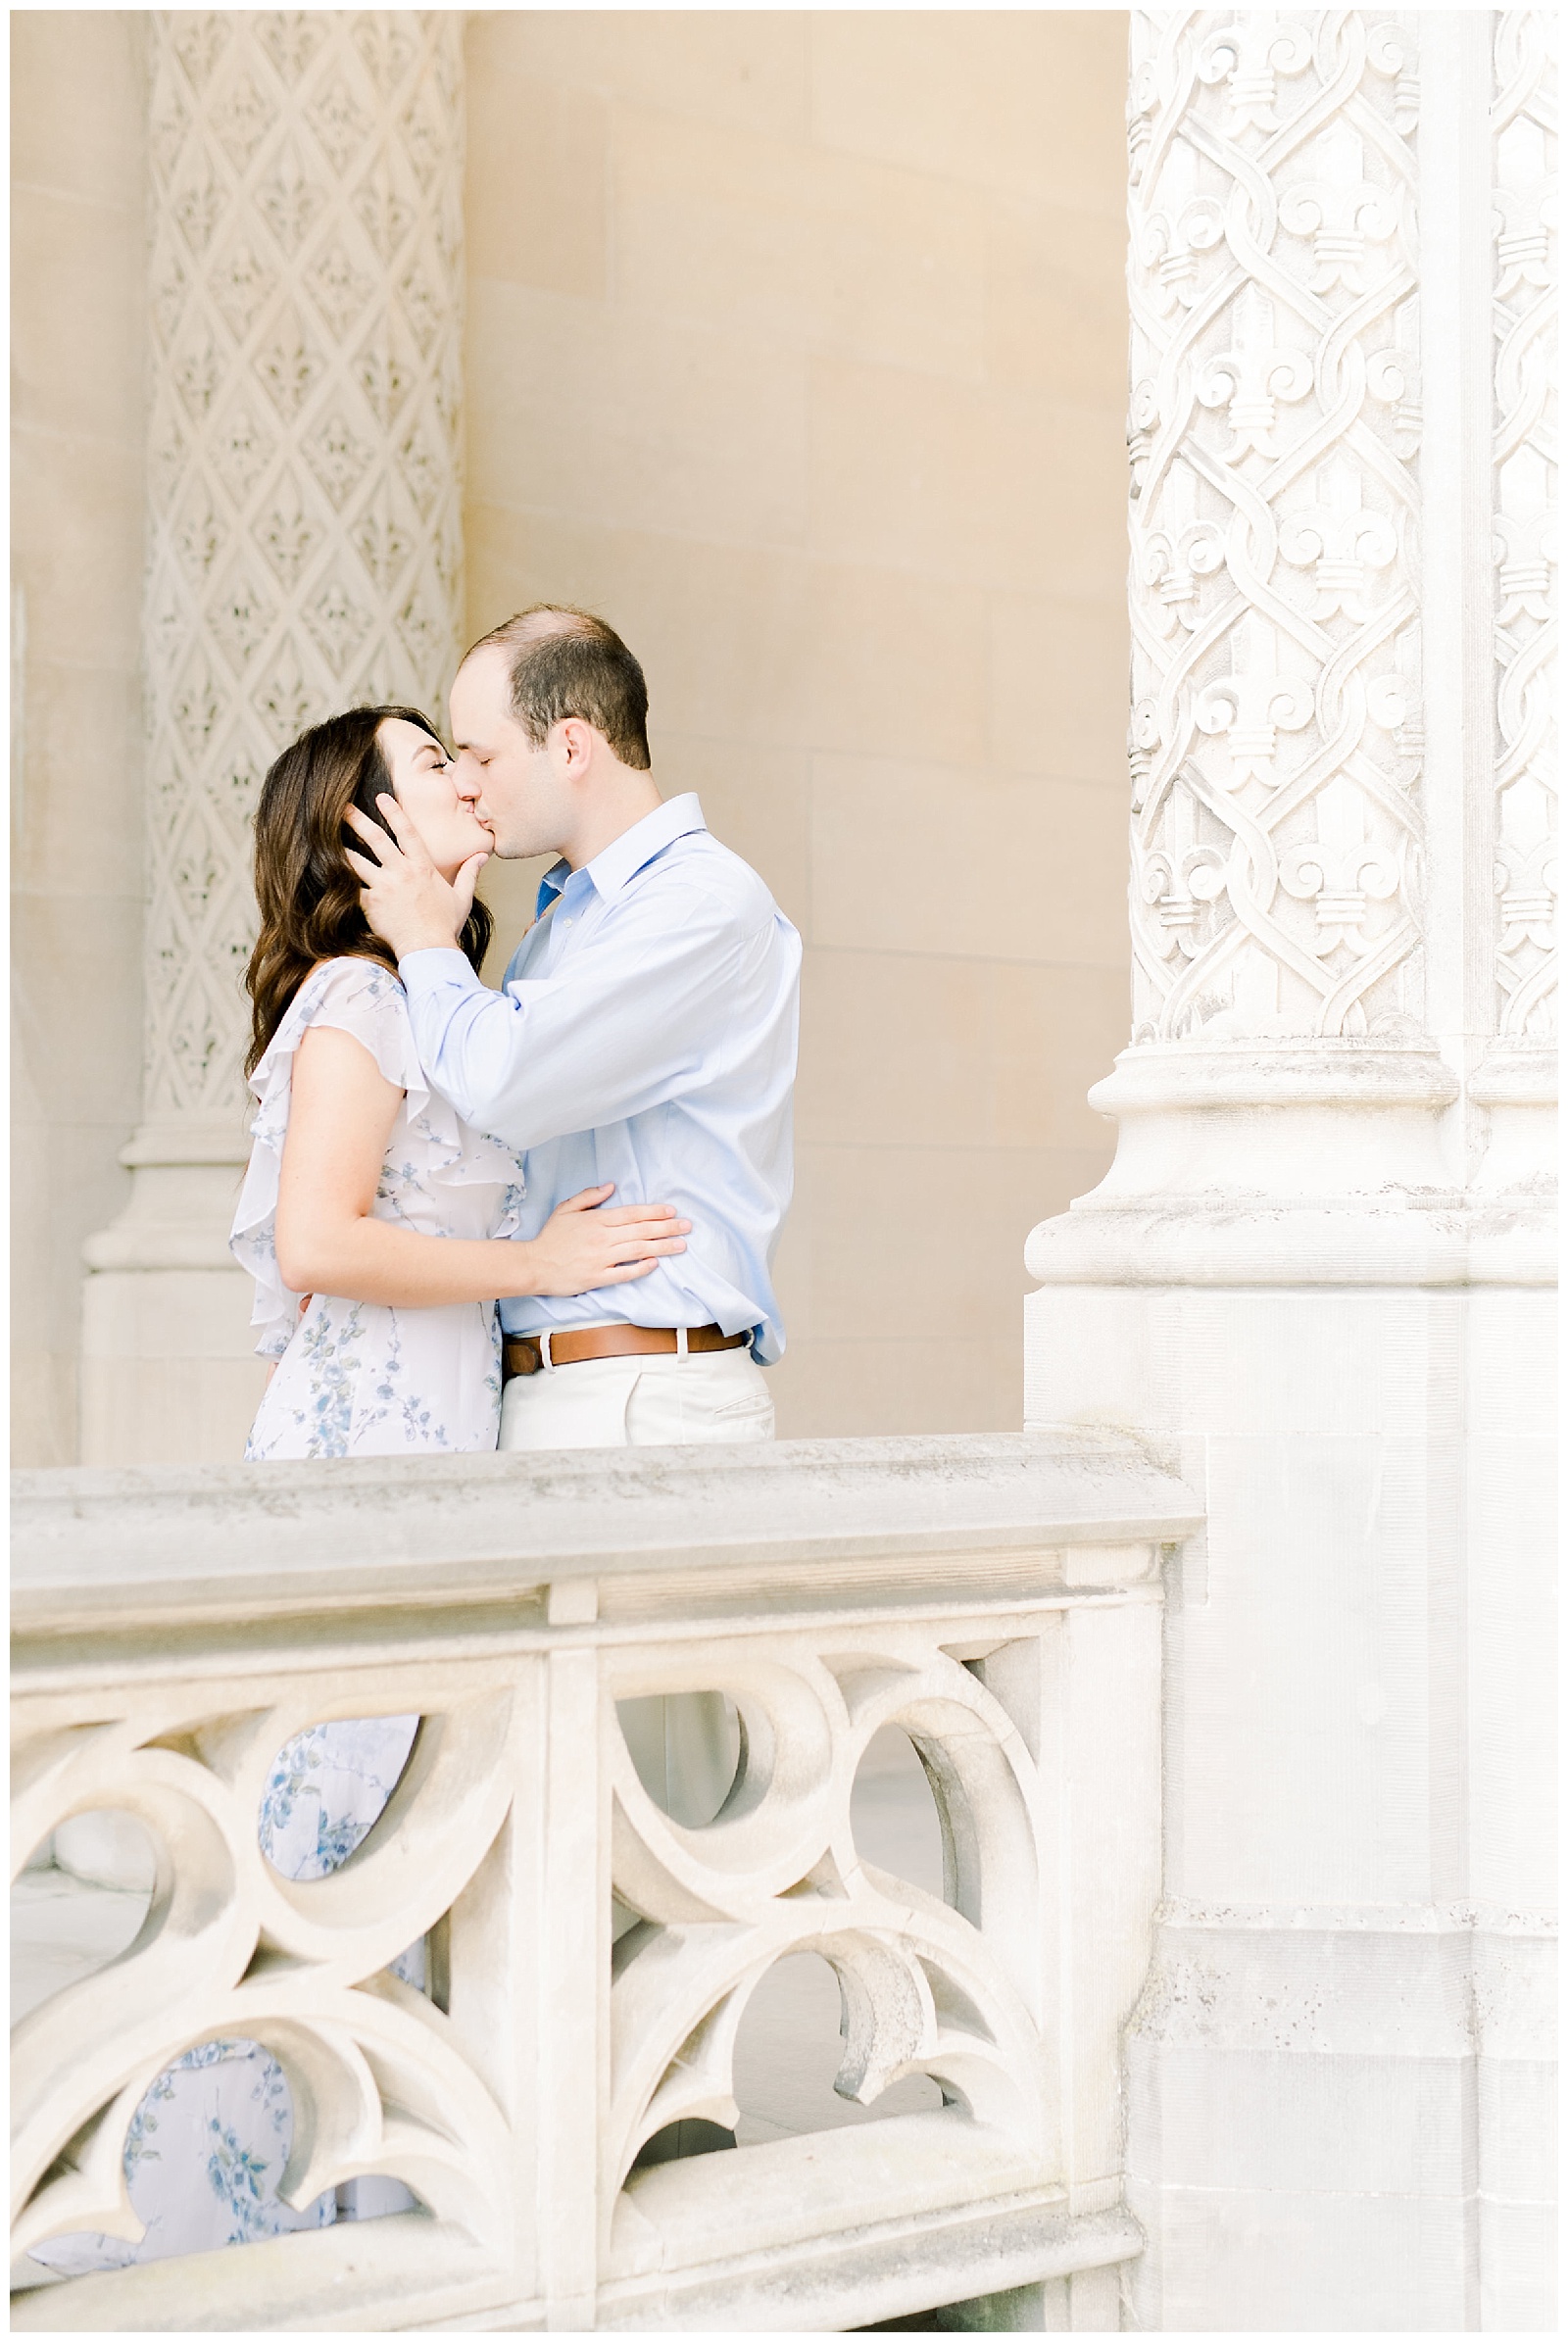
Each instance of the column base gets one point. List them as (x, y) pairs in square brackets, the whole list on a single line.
[(1343, 2121), (1338, 2074), (168, 1371)]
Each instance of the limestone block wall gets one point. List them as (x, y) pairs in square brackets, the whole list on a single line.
[(796, 344), (79, 166)]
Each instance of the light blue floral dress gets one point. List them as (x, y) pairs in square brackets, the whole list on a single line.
[(209, 2142), (354, 1378)]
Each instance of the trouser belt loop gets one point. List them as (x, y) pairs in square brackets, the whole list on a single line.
[(545, 1360), (682, 1342)]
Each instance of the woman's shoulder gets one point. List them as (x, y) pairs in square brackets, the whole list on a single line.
[(344, 990), (360, 997), (350, 977)]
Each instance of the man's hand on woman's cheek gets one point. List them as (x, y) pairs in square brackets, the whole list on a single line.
[(405, 897)]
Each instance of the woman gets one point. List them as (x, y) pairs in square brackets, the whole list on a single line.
[(376, 1227), (365, 1190)]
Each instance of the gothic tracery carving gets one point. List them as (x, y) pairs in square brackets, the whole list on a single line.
[(231, 1950), (305, 545), (1275, 741), (1524, 124), (944, 1989), (391, 2082)]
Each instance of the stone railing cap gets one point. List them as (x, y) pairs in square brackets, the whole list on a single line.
[(168, 1536)]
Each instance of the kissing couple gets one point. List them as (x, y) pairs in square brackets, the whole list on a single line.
[(534, 1218)]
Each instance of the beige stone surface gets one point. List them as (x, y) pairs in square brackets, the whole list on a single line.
[(797, 345), (912, 1047), (1027, 104), (748, 234), (928, 858), (915, 1244), (77, 519), (1059, 687)]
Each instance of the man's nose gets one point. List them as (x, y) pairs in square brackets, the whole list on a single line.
[(466, 777)]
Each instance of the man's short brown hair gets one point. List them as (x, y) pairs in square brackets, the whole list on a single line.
[(567, 662)]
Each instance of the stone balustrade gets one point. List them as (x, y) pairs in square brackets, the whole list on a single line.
[(591, 1958)]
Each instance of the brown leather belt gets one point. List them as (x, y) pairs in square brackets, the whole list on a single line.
[(570, 1346)]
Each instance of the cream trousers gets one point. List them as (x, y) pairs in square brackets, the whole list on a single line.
[(683, 1748), (705, 1402)]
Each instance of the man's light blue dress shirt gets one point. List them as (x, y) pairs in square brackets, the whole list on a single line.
[(646, 1035)]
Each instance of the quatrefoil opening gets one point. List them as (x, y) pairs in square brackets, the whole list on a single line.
[(896, 1817), (982, 1784), (238, 2140), (912, 2001), (109, 1857), (426, 1843), (688, 1752), (790, 2058), (775, 1819), (326, 1789), (376, 2096), (104, 2032)]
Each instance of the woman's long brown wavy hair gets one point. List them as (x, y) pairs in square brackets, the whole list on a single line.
[(308, 895)]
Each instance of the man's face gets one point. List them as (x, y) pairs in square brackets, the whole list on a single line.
[(514, 787)]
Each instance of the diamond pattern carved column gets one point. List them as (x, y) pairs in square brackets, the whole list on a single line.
[(1320, 1272), (305, 554)]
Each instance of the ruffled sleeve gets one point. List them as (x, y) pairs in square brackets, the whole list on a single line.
[(354, 995)]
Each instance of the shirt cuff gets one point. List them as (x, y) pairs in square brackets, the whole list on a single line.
[(425, 971)]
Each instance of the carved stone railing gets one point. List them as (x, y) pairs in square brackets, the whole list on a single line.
[(999, 1598)]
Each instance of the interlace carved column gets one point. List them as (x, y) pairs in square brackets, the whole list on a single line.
[(305, 554), (1320, 1270), (1276, 742), (1523, 126)]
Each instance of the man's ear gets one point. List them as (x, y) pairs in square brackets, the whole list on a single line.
[(577, 738)]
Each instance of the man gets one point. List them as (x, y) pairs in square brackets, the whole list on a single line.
[(645, 1036)]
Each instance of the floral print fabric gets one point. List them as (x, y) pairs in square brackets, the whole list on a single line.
[(206, 2149), (326, 1787), (354, 1378)]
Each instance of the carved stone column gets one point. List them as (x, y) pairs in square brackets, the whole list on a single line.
[(305, 554), (1319, 1270)]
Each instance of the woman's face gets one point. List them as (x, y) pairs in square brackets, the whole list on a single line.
[(423, 784)]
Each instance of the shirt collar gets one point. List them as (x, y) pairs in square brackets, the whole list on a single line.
[(610, 871)]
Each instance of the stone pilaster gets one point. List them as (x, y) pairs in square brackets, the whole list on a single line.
[(1320, 1267), (305, 554)]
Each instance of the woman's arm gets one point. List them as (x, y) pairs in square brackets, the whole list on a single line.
[(340, 1118)]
